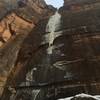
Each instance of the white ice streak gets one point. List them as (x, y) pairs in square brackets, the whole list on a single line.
[(35, 93), (52, 26), (53, 23), (46, 36)]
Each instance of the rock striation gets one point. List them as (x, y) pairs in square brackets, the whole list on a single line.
[(82, 97), (73, 65), (17, 20)]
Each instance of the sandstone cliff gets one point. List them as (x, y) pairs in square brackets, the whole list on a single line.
[(74, 65), (17, 19)]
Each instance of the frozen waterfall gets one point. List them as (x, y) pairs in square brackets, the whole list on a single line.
[(52, 26)]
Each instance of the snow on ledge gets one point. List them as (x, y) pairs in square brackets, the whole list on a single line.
[(82, 95)]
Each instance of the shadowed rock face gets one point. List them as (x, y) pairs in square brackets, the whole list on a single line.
[(77, 5), (79, 1), (74, 64)]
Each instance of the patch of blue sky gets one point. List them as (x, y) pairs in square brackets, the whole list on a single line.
[(55, 3)]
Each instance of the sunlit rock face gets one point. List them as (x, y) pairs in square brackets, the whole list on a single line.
[(13, 30), (16, 22), (12, 15)]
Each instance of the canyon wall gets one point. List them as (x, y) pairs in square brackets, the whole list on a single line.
[(17, 20), (73, 66)]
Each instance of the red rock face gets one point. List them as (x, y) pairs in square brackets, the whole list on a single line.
[(16, 22), (76, 5), (72, 68)]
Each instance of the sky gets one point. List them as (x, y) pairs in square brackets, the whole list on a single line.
[(55, 3)]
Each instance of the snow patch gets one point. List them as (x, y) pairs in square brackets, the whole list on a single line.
[(82, 95)]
